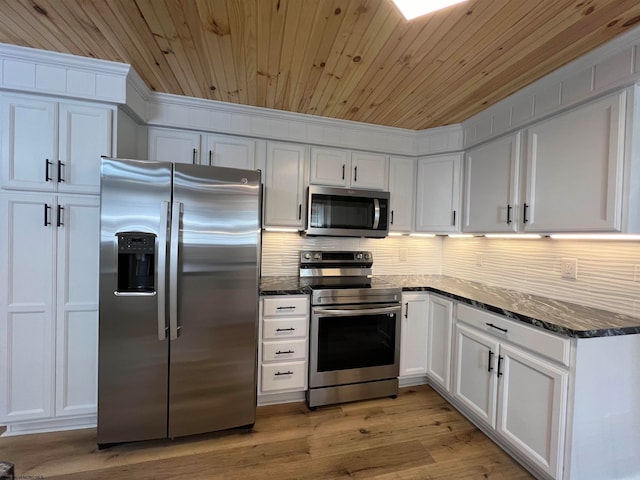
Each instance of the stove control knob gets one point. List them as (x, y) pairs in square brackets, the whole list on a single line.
[(358, 256), (317, 256), (307, 255), (366, 256)]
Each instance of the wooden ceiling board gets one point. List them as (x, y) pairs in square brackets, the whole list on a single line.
[(350, 59)]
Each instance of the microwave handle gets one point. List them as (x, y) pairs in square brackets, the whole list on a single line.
[(376, 213)]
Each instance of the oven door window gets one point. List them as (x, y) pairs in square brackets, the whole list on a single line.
[(335, 211), (356, 342)]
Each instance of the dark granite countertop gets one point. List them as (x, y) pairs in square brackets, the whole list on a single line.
[(565, 318)]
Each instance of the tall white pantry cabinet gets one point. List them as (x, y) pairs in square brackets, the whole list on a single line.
[(49, 239)]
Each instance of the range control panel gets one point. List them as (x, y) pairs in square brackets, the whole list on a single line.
[(342, 258)]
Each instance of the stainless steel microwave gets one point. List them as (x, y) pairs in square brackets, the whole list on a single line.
[(347, 212)]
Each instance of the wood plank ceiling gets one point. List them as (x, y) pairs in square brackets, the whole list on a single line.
[(351, 59)]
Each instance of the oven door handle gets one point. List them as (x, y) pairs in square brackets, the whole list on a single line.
[(355, 312)]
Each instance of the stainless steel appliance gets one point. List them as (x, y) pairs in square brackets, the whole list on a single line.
[(355, 328), (347, 212), (179, 256)]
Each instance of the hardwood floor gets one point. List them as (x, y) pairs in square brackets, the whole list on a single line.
[(416, 436)]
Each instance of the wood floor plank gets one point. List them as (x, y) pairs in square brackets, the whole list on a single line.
[(416, 436)]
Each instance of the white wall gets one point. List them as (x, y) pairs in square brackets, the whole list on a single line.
[(606, 269)]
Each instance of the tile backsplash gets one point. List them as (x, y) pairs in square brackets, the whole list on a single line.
[(608, 272), (423, 255)]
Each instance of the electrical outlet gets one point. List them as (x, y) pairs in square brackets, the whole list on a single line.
[(569, 268), (402, 254), (479, 259), (636, 274)]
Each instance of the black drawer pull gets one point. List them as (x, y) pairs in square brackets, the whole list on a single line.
[(284, 353), (289, 372), (59, 216), (509, 207), (500, 358), (290, 329), (285, 308), (496, 327), (524, 216), (490, 357)]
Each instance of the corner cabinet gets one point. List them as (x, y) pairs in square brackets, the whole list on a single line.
[(491, 186), (413, 334), (574, 168), (438, 194), (53, 146), (284, 183), (48, 309), (439, 341), (402, 182)]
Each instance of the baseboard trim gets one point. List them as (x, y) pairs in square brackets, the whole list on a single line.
[(50, 425)]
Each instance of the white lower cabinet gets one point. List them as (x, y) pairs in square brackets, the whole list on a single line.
[(48, 307), (516, 393), (282, 359), (413, 334), (439, 339)]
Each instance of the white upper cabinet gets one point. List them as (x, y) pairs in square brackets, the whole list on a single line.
[(168, 145), (491, 186), (402, 181), (51, 146), (341, 168), (330, 166), (284, 185), (574, 169), (228, 151), (438, 194), (369, 170)]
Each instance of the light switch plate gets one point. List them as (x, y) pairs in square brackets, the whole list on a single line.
[(569, 268)]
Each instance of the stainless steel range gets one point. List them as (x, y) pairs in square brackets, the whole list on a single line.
[(355, 328)]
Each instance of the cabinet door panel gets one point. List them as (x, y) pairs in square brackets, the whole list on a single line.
[(284, 185), (574, 169), (491, 186), (26, 307), (439, 341), (330, 166), (413, 335), (77, 306), (402, 180), (438, 194), (29, 140), (532, 398), (232, 152), (369, 170), (177, 146), (85, 135), (475, 379)]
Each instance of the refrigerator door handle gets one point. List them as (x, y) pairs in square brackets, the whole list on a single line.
[(176, 207), (161, 286)]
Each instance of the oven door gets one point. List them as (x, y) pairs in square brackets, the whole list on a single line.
[(354, 343)]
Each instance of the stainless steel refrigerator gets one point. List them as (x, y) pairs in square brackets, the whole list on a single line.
[(179, 257)]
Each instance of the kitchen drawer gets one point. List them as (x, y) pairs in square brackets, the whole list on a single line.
[(534, 339), (285, 305), (284, 376), (284, 351), (292, 327)]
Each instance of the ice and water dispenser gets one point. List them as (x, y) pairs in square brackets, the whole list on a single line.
[(136, 262)]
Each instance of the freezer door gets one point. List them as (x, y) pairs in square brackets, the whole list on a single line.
[(214, 299), (133, 349)]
